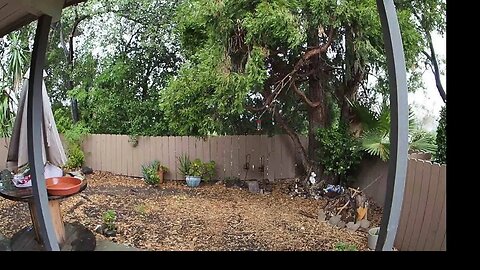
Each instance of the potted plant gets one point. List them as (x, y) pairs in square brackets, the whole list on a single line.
[(195, 173)]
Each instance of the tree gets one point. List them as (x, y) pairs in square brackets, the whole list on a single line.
[(430, 17), (282, 60), (441, 154)]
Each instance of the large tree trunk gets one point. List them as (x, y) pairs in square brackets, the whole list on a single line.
[(317, 116)]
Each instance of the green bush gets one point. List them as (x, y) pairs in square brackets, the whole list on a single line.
[(441, 154), (74, 137), (76, 157), (339, 152), (205, 170), (150, 175), (208, 170)]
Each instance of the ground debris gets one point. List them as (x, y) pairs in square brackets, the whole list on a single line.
[(209, 217)]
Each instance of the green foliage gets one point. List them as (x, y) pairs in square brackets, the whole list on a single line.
[(197, 168), (341, 246), (150, 173), (74, 136), (109, 218), (441, 139), (422, 141), (375, 138), (76, 157), (205, 170), (339, 152), (185, 165), (208, 170)]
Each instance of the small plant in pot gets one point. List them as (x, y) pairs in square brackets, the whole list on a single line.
[(195, 173), (161, 171)]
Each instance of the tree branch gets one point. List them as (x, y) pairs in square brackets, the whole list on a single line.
[(296, 140), (304, 97)]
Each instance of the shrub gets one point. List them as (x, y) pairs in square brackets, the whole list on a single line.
[(76, 157), (339, 152), (441, 154), (109, 219), (150, 175)]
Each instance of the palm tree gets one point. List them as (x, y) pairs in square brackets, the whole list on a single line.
[(375, 136)]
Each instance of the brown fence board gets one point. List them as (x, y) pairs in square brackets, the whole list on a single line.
[(418, 219), (173, 157), (437, 212), (235, 157), (415, 199), (227, 155), (407, 202), (430, 205), (441, 231)]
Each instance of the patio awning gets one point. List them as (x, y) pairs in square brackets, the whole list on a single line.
[(17, 13)]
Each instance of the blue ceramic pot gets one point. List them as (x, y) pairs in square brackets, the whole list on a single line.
[(193, 181)]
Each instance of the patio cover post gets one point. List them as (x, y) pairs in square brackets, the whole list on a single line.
[(34, 136), (397, 168)]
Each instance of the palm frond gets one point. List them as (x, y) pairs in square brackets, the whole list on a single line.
[(376, 143)]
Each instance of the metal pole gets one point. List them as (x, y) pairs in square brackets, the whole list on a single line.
[(34, 135), (397, 168)]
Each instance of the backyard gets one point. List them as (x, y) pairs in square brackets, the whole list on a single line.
[(212, 216)]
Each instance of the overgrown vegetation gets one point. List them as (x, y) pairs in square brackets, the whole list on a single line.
[(339, 152), (441, 139), (150, 173)]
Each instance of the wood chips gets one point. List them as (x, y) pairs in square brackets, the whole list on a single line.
[(209, 217)]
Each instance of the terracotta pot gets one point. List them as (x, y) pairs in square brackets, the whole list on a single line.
[(160, 175)]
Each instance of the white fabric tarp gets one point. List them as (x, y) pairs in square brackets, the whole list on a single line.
[(52, 148)]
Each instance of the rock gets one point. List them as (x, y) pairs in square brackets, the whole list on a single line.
[(351, 226), (253, 186), (364, 223), (321, 215), (341, 224), (110, 233), (334, 220), (87, 170), (100, 229)]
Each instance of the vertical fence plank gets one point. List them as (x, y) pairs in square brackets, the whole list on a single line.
[(173, 155), (242, 152), (427, 218), (407, 202), (169, 156), (441, 231), (415, 198), (221, 154), (270, 173), (421, 205), (227, 155), (440, 200), (180, 149)]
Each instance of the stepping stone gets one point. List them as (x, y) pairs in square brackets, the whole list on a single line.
[(364, 223), (351, 226), (321, 215), (334, 220), (341, 224), (253, 186)]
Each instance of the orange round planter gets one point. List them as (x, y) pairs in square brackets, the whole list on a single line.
[(62, 186)]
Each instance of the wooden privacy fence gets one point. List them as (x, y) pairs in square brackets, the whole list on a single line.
[(114, 153), (424, 212)]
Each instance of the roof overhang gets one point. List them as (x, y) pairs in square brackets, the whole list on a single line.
[(15, 14)]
